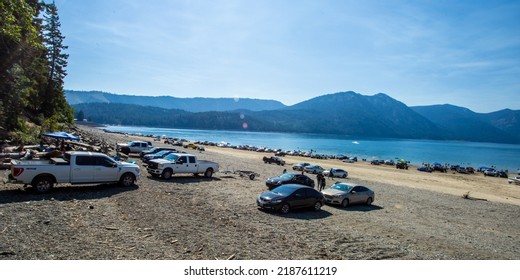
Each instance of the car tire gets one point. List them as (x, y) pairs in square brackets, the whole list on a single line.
[(369, 201), (43, 184), (208, 173), (317, 206), (251, 176), (167, 174), (285, 208), (344, 175), (127, 180), (345, 203)]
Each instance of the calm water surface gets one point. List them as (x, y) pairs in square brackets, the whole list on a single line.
[(503, 156)]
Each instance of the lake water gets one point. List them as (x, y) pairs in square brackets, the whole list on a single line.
[(475, 154)]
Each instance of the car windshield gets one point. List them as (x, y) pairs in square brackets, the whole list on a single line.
[(171, 157), (342, 187), (283, 190), (286, 176), (161, 153)]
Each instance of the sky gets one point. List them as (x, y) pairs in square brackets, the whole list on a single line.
[(464, 52)]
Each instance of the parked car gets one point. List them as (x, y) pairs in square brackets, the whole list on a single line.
[(336, 172), (424, 169), (401, 165), (377, 162), (135, 147), (345, 194), (300, 166), (289, 178), (74, 168), (291, 196), (490, 172), (160, 154), (155, 150), (465, 170), (314, 169), (275, 160)]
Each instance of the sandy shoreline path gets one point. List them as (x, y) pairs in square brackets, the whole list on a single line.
[(414, 216), (478, 186)]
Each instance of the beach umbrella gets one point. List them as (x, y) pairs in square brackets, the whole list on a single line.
[(61, 135)]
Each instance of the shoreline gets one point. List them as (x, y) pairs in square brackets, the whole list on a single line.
[(476, 186), (369, 150), (415, 216)]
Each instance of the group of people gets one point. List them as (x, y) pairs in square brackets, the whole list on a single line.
[(320, 179)]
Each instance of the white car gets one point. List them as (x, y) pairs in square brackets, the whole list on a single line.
[(314, 169), (336, 172)]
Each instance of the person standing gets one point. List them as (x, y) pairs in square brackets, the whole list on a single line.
[(319, 178), (322, 183)]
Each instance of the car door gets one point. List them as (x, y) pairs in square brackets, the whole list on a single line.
[(300, 179), (186, 164), (298, 198), (83, 170), (358, 195), (105, 169)]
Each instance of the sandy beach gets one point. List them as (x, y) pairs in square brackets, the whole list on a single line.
[(416, 215)]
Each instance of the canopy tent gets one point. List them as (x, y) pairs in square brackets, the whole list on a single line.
[(61, 135)]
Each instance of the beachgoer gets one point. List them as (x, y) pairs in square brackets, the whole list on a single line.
[(331, 174), (322, 183), (319, 178), (62, 146)]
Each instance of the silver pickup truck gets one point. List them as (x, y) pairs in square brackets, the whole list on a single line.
[(74, 168), (176, 163)]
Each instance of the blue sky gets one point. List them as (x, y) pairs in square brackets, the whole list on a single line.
[(465, 53)]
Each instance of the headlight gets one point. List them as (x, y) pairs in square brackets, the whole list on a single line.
[(276, 201), (159, 166), (337, 196)]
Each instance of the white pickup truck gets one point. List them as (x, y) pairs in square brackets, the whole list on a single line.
[(176, 163), (74, 168), (135, 147)]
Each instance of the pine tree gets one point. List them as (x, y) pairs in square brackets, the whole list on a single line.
[(54, 103), (19, 46)]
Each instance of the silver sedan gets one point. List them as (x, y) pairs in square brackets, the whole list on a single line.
[(336, 172), (345, 194)]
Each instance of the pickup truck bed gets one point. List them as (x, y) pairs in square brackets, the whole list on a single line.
[(73, 168)]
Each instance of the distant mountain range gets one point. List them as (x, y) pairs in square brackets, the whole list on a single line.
[(196, 104), (344, 113)]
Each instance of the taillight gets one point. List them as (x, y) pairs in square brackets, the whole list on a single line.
[(17, 171)]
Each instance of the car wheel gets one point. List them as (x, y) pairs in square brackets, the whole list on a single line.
[(345, 203), (369, 201), (43, 184), (127, 180), (251, 176), (344, 175), (285, 208), (208, 173), (317, 206), (167, 174)]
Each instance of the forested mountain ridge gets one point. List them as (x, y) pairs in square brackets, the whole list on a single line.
[(343, 113), (195, 104)]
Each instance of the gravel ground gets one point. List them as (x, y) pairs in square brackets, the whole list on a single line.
[(191, 218)]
